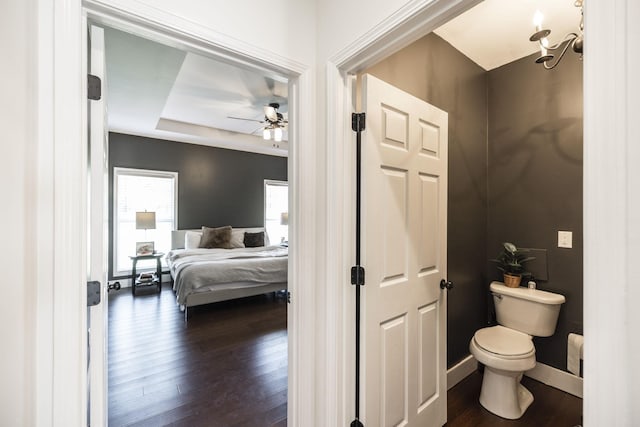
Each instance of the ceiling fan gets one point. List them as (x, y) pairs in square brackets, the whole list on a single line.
[(274, 122)]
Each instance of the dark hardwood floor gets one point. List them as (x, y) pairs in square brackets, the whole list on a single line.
[(551, 407), (226, 367)]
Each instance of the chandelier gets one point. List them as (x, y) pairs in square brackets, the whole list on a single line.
[(548, 53)]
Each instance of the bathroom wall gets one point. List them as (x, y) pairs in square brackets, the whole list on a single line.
[(515, 174), (431, 69), (535, 178)]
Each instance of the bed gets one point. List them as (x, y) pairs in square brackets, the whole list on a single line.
[(203, 276)]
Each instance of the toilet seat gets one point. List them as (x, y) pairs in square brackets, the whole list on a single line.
[(504, 342)]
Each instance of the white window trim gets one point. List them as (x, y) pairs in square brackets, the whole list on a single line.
[(137, 172)]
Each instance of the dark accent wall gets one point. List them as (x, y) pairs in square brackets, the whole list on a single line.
[(535, 179), (432, 70), (515, 174), (216, 186)]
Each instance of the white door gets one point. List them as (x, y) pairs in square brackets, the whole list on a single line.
[(97, 245), (404, 208)]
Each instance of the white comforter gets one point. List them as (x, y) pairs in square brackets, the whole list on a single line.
[(199, 270)]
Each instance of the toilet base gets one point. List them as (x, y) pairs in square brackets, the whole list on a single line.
[(503, 395)]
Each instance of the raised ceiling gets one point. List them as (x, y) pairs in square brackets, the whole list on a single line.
[(161, 92)]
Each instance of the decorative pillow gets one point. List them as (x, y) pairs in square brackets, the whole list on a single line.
[(192, 239), (237, 237), (254, 240), (219, 237)]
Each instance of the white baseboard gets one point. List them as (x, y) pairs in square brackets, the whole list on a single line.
[(461, 370), (546, 374), (556, 378)]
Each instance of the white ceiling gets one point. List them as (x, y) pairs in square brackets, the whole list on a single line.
[(496, 32), (161, 92)]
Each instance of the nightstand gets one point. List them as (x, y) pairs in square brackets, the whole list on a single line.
[(155, 280)]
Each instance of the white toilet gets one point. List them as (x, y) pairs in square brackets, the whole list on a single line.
[(507, 350)]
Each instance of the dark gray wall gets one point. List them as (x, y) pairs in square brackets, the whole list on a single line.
[(215, 186), (535, 178), (431, 69), (515, 174)]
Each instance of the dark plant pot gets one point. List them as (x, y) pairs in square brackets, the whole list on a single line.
[(512, 281)]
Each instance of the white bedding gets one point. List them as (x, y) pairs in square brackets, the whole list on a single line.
[(209, 270)]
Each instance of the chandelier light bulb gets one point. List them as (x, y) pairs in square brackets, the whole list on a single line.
[(277, 134), (538, 17), (266, 135)]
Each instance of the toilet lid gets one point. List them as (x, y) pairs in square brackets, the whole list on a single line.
[(505, 341)]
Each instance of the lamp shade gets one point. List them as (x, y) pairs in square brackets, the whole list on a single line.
[(284, 218), (145, 220)]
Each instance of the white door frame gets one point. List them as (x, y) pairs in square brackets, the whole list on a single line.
[(414, 20), (61, 320)]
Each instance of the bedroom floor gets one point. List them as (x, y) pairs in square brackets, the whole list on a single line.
[(226, 367)]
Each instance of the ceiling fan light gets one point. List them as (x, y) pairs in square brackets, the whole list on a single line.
[(277, 134), (266, 135)]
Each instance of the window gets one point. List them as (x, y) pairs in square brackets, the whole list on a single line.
[(138, 190), (276, 211)]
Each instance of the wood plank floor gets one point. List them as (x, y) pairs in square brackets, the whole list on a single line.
[(226, 367), (550, 408)]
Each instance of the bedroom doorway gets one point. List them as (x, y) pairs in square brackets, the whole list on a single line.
[(280, 342)]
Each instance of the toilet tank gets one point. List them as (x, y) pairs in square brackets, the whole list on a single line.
[(531, 311)]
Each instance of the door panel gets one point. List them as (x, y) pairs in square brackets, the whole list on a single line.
[(404, 254), (393, 336)]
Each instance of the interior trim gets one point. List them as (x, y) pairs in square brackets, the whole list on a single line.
[(556, 378), (412, 21), (461, 370)]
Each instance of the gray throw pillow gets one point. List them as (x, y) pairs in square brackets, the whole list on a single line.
[(254, 240), (219, 237)]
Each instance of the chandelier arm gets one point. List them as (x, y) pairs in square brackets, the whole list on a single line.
[(567, 39), (551, 67)]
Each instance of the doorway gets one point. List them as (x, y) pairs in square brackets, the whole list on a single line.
[(292, 166)]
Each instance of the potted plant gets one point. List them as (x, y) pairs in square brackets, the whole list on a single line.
[(511, 262)]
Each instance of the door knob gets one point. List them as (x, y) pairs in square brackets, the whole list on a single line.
[(446, 284)]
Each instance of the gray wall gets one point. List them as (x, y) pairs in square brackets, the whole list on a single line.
[(535, 178), (515, 174), (431, 69), (215, 186)]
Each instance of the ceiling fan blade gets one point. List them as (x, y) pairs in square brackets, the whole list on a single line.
[(242, 118), (255, 132), (270, 113)]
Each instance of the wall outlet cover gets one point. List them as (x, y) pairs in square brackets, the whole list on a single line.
[(565, 239)]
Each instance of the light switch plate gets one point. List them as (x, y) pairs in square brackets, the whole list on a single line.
[(565, 239)]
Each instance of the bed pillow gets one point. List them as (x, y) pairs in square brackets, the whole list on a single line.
[(219, 237), (237, 237), (192, 239), (254, 240)]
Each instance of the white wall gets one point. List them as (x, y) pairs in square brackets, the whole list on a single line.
[(285, 27), (16, 150), (341, 22)]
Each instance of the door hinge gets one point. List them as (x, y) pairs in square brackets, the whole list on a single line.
[(94, 87), (93, 293), (288, 297), (357, 275), (357, 121)]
